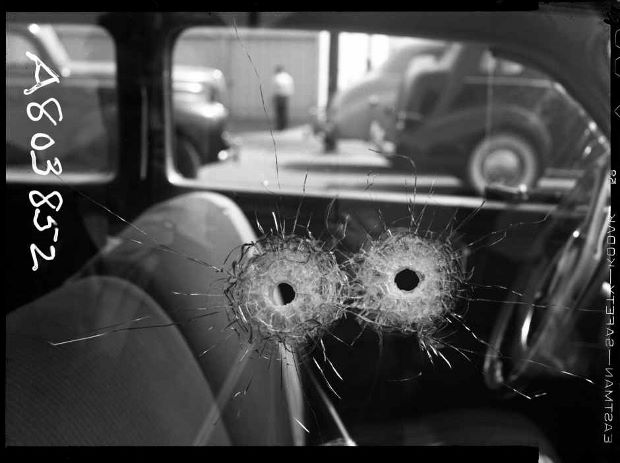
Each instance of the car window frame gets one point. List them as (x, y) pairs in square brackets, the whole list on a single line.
[(58, 59), (176, 180)]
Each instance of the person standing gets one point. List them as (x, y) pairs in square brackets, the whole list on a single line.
[(283, 89)]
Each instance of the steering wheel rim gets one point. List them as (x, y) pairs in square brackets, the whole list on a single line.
[(558, 285)]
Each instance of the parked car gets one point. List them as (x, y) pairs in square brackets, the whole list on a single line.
[(350, 111), (84, 57), (482, 118)]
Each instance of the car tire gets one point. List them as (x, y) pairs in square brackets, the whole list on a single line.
[(498, 148), (187, 157)]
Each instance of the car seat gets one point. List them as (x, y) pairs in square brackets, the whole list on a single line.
[(137, 387), (258, 398)]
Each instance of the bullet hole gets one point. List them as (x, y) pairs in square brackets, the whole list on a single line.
[(287, 289), (406, 280), (389, 295), (287, 293)]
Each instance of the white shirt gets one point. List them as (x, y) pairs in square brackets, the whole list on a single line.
[(283, 84)]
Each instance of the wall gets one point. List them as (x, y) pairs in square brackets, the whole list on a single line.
[(298, 52)]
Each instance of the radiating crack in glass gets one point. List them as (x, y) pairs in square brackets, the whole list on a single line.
[(406, 280)]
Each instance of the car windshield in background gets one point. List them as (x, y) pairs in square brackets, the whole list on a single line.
[(455, 117)]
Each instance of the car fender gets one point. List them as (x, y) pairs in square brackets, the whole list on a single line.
[(466, 127), (353, 110), (204, 124)]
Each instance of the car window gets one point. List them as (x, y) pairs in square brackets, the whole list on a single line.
[(74, 115), (490, 64), (86, 43), (405, 49), (16, 47), (457, 116)]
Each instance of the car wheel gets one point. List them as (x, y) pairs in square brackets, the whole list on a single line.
[(187, 159), (507, 159)]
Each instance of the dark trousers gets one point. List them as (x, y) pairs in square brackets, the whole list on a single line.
[(281, 106)]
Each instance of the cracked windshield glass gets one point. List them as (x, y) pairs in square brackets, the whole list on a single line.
[(322, 229)]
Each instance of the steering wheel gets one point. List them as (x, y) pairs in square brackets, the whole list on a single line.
[(529, 333)]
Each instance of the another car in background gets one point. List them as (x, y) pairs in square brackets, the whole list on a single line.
[(84, 57), (481, 118), (350, 112)]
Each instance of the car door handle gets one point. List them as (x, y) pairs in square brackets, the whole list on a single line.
[(506, 193)]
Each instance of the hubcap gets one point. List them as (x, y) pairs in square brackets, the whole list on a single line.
[(502, 166)]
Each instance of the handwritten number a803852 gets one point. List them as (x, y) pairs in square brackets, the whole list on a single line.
[(35, 112)]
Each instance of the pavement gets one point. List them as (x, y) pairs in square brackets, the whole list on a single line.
[(294, 157), (297, 152)]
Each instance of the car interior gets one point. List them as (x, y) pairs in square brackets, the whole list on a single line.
[(124, 333)]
